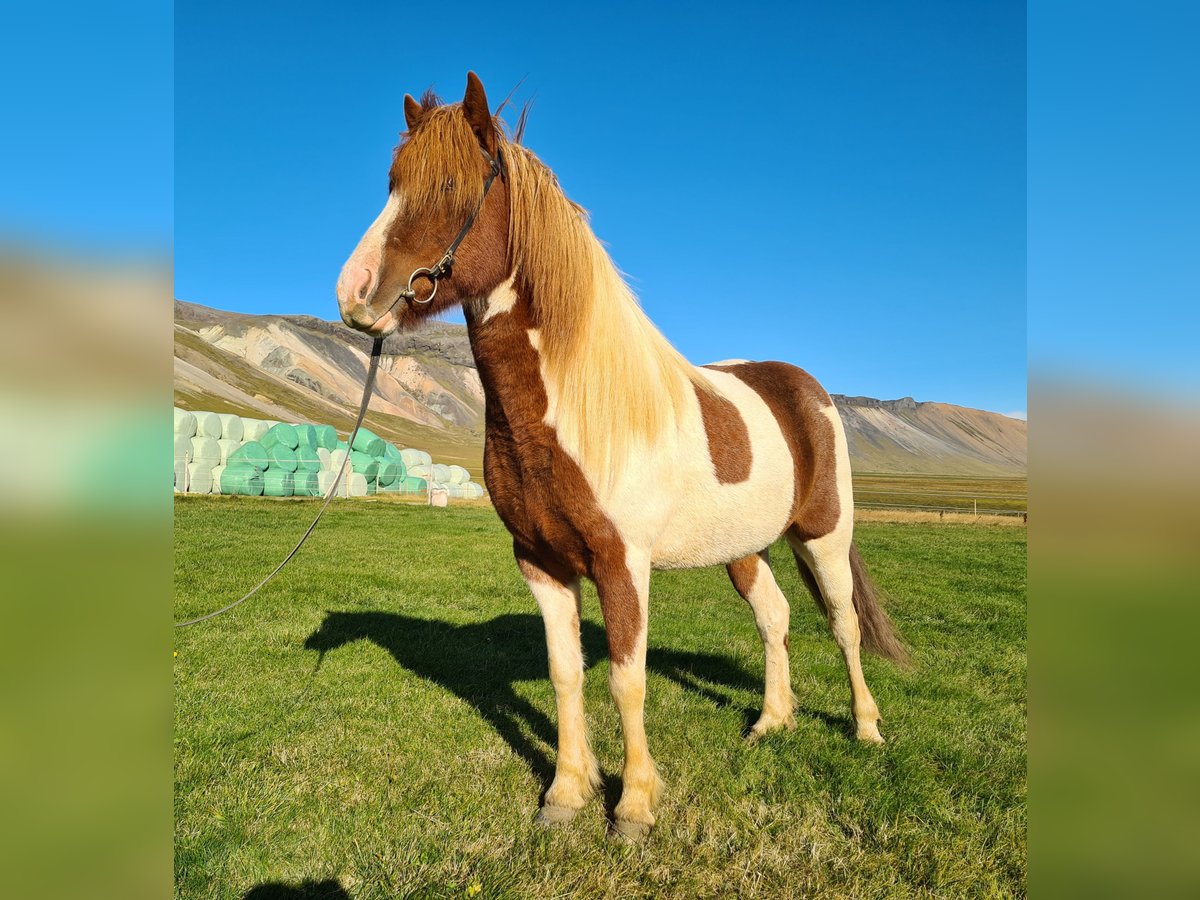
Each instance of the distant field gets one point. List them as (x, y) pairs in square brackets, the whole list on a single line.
[(942, 492), (380, 720)]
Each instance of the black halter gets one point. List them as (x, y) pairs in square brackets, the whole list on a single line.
[(443, 265)]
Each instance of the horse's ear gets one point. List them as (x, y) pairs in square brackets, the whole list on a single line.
[(479, 117), (412, 111)]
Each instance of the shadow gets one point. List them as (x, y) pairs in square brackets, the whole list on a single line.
[(330, 889), (480, 662)]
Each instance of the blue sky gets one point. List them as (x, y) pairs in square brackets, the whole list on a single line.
[(841, 187)]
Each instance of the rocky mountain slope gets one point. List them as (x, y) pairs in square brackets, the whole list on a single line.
[(428, 394)]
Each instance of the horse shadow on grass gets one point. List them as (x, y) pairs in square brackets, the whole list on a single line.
[(481, 662)]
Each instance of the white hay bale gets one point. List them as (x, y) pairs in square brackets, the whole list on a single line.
[(207, 450), (253, 429), (216, 479), (441, 473), (231, 426), (208, 425), (458, 475), (181, 474), (357, 484), (325, 482), (228, 446), (185, 423), (326, 459), (336, 458), (183, 448), (420, 470), (200, 479)]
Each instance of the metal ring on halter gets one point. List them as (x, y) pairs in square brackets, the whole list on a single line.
[(433, 280)]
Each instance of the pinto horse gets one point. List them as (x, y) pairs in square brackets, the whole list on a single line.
[(607, 453)]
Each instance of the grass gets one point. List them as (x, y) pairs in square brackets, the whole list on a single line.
[(993, 494), (378, 722)]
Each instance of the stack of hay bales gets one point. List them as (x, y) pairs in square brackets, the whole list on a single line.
[(229, 454)]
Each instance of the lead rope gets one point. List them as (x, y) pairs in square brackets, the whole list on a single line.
[(376, 351)]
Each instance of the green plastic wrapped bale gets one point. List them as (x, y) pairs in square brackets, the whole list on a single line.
[(413, 485), (364, 464), (389, 472), (368, 442), (327, 437), (240, 478), (342, 445), (281, 459), (278, 483), (185, 423), (307, 436), (305, 484), (390, 452), (307, 459), (250, 453), (281, 434)]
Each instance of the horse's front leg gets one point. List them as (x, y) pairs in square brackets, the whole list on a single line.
[(624, 588), (576, 775)]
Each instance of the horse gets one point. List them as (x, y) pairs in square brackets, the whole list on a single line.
[(607, 454)]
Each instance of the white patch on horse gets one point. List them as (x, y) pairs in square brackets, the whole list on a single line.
[(728, 362), (501, 300)]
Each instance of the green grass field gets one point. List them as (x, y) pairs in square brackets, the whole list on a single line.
[(379, 722)]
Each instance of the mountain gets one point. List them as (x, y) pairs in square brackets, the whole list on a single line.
[(428, 394)]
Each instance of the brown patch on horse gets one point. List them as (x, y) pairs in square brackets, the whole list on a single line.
[(728, 438), (797, 401), (539, 491), (744, 573)]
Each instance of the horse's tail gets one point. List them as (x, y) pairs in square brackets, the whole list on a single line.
[(878, 633)]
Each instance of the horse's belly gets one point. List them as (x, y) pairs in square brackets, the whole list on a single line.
[(714, 523)]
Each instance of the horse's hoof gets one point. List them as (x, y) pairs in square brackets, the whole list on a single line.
[(554, 816), (869, 734), (630, 831)]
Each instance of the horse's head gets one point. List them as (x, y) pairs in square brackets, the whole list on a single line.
[(436, 184)]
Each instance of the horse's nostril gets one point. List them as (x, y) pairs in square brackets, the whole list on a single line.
[(365, 279)]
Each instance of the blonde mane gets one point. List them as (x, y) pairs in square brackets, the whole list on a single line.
[(615, 381)]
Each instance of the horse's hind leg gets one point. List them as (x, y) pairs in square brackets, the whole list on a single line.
[(826, 561), (754, 580), (576, 774)]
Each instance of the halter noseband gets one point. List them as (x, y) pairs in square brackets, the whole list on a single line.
[(442, 266)]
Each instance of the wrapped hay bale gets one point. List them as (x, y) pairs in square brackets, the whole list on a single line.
[(473, 491), (307, 436), (390, 471), (250, 453), (277, 483), (208, 425), (366, 441), (183, 448), (185, 423), (240, 478), (421, 470), (412, 485), (459, 475), (336, 459), (281, 459), (327, 437), (306, 484), (307, 459), (325, 482), (364, 464), (390, 452), (216, 479), (281, 434), (228, 447), (356, 485), (199, 478), (441, 474), (325, 458), (253, 429), (206, 450), (411, 457), (231, 427), (181, 474)]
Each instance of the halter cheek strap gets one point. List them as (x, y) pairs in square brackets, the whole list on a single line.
[(443, 265)]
